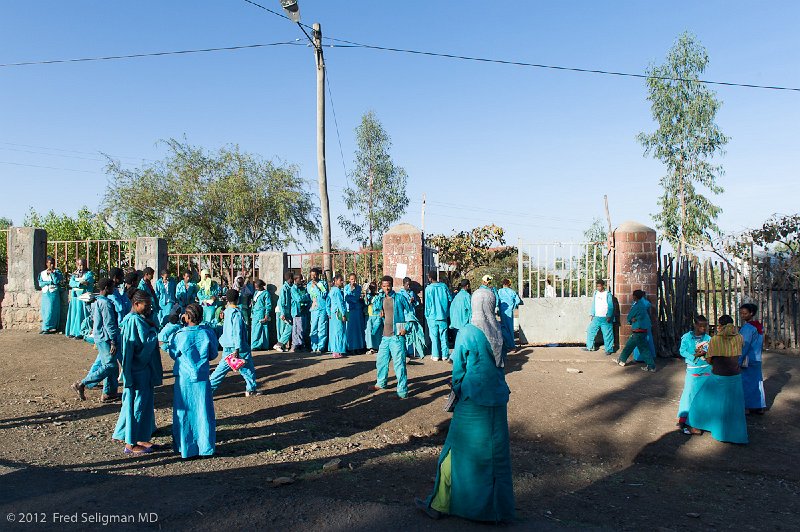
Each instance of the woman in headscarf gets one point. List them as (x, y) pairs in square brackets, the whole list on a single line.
[(80, 282), (208, 295), (473, 476), (718, 406), (50, 282)]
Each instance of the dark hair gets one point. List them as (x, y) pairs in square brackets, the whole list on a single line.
[(232, 295), (638, 294), (148, 271), (317, 270), (116, 274), (338, 276), (104, 283), (164, 272), (725, 320), (174, 315), (132, 278), (50, 259), (464, 283), (194, 313), (188, 272), (432, 275), (600, 282), (506, 282), (260, 284), (387, 278), (140, 296), (289, 276), (700, 319), (752, 307), (406, 280), (297, 277)]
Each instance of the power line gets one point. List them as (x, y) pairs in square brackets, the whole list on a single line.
[(151, 54), (559, 67), (336, 124), (51, 168)]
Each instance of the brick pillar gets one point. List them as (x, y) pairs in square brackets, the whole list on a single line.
[(21, 304), (402, 245), (151, 252), (636, 268)]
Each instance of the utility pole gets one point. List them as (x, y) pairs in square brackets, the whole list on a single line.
[(323, 176)]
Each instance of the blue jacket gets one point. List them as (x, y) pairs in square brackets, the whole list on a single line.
[(639, 315), (437, 301), (319, 294), (609, 300), (192, 348), (753, 343), (106, 323), (234, 332), (475, 374)]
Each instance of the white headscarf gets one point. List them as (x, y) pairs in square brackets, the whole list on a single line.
[(483, 317)]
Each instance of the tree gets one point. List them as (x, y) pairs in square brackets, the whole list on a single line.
[(225, 201), (376, 198), (467, 250), (686, 141), (85, 225), (5, 223)]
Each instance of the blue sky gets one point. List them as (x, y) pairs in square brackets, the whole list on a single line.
[(531, 150)]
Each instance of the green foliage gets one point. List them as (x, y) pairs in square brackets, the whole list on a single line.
[(85, 225), (468, 250), (501, 265), (5, 223), (686, 141), (779, 236), (376, 197), (225, 201)]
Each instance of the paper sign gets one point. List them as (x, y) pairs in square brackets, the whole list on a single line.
[(401, 271)]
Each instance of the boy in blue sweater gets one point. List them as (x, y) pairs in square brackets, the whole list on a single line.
[(639, 319)]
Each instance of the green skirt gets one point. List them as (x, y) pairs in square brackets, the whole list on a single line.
[(473, 476)]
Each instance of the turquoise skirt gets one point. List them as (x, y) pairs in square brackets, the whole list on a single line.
[(718, 407), (137, 417), (193, 421), (477, 443), (51, 310), (695, 379)]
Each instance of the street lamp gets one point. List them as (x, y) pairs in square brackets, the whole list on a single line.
[(292, 9)]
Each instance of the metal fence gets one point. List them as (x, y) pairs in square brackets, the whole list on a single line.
[(570, 268), (366, 264), (102, 255), (223, 266)]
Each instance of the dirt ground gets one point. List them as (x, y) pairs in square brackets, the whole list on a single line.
[(596, 449)]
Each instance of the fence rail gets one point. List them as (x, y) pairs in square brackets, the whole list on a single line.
[(571, 267), (220, 265), (102, 255), (366, 264)]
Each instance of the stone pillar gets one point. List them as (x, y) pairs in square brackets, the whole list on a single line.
[(272, 267), (151, 252), (636, 268), (402, 249), (27, 250)]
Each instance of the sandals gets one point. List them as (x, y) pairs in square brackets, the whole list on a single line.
[(80, 389), (131, 452)]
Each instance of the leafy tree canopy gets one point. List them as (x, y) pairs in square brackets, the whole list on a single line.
[(85, 225), (468, 250), (223, 201)]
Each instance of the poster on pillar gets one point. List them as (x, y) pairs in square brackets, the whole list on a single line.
[(401, 270)]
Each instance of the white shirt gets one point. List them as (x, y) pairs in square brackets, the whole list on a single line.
[(549, 291), (600, 304)]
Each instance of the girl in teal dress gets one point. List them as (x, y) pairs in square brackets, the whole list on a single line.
[(165, 293), (50, 283), (208, 294), (142, 372), (186, 291), (374, 333), (80, 282)]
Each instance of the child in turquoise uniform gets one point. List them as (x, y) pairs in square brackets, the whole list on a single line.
[(354, 330), (260, 318), (694, 346), (602, 314), (461, 307), (283, 313), (106, 336), (337, 316), (186, 291), (301, 304), (396, 310), (193, 420), (437, 310), (118, 296), (246, 291), (473, 474), (374, 332), (752, 332), (146, 284), (637, 356), (318, 290), (142, 372), (639, 319), (235, 341), (80, 282), (508, 301), (208, 293), (50, 284), (165, 293)]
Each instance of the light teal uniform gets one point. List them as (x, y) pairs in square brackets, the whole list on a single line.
[(637, 356), (210, 307), (50, 284), (105, 332), (473, 476), (355, 318), (78, 310), (751, 372), (336, 328), (193, 420), (141, 373), (393, 346), (639, 320), (437, 310), (185, 294), (507, 302), (235, 338), (259, 332), (604, 323), (165, 294), (461, 310), (156, 310), (697, 371), (374, 332), (284, 309), (319, 313)]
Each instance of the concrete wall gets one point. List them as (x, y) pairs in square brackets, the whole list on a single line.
[(27, 249), (548, 320)]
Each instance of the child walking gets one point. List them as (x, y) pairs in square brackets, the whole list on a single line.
[(235, 342)]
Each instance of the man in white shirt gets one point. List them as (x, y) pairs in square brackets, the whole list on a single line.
[(602, 318), (549, 289)]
